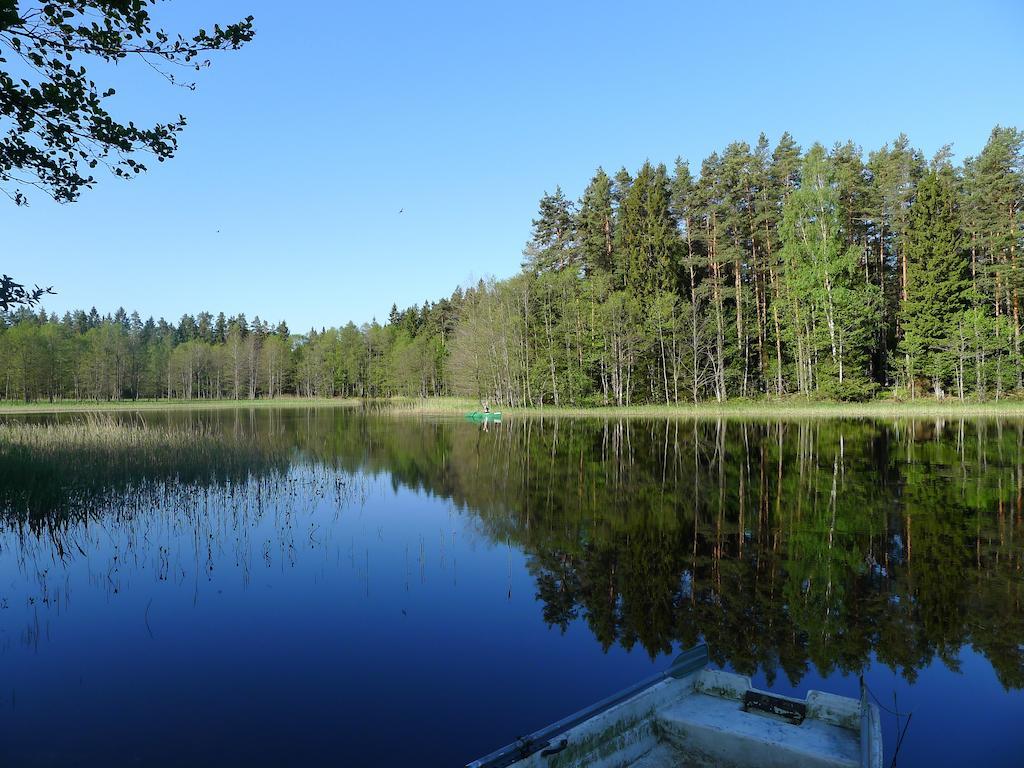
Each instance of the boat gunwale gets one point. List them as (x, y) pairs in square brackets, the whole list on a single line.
[(689, 662)]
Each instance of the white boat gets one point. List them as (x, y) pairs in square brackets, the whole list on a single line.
[(693, 717)]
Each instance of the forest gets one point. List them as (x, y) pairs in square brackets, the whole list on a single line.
[(771, 271)]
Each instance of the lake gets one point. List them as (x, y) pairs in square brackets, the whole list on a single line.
[(267, 587)]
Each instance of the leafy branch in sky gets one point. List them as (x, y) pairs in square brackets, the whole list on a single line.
[(14, 294), (55, 129)]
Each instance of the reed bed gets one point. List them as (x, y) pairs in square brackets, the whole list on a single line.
[(105, 406), (60, 467), (438, 406), (98, 438)]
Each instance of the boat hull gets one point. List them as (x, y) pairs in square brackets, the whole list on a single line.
[(483, 416), (707, 718)]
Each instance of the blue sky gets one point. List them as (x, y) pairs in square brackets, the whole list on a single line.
[(302, 148)]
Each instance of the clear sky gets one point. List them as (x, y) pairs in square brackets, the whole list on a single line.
[(302, 148)]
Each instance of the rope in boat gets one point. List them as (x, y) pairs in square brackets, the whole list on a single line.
[(897, 713), (882, 706)]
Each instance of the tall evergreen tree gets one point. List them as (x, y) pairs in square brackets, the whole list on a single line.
[(938, 282), (648, 238), (595, 225), (999, 209)]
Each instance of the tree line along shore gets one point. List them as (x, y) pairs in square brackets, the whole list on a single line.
[(771, 272), (761, 410)]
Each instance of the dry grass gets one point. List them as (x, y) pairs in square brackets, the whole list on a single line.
[(98, 406)]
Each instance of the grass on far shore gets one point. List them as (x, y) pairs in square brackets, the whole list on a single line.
[(765, 408)]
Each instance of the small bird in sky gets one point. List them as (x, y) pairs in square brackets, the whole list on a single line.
[(401, 210)]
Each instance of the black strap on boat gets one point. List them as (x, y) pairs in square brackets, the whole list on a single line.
[(759, 701), (686, 663)]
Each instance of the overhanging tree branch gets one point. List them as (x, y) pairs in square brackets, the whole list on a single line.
[(14, 294), (55, 128)]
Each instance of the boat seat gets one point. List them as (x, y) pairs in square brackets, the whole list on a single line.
[(710, 730)]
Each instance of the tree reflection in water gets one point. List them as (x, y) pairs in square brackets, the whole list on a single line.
[(783, 544)]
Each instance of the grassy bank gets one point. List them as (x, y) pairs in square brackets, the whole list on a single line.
[(794, 408), (748, 409)]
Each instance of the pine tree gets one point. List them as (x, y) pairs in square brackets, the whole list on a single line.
[(686, 213), (708, 203), (187, 329), (220, 329), (781, 176), (895, 172), (938, 282), (736, 221), (552, 245), (595, 225), (999, 179)]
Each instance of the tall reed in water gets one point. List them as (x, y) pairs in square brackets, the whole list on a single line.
[(63, 466)]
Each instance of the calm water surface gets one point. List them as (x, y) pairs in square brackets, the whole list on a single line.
[(327, 587)]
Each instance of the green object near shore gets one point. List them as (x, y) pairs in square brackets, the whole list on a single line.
[(484, 416)]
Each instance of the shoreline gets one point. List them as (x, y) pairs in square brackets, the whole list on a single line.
[(748, 409)]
